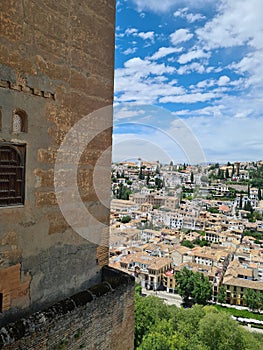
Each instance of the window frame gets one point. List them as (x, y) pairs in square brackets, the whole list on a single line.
[(16, 177)]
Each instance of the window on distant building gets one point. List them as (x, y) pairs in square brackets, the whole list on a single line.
[(19, 122), (12, 174)]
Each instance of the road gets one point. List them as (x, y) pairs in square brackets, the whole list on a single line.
[(169, 298)]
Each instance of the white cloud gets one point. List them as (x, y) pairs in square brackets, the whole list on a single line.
[(192, 55), (131, 31), (180, 35), (181, 12), (204, 84), (193, 67), (125, 112), (252, 63), (221, 137), (165, 51), (153, 5), (144, 81), (238, 22), (190, 17), (223, 80), (167, 5), (130, 50), (146, 36), (145, 67), (135, 33), (189, 98)]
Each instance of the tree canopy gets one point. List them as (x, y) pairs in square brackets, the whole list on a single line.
[(194, 287), (162, 327)]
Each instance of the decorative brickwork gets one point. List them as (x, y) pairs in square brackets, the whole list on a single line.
[(26, 89)]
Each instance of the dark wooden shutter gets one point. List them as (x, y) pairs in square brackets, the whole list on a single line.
[(12, 174)]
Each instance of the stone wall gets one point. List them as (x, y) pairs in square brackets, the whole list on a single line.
[(100, 318), (56, 64)]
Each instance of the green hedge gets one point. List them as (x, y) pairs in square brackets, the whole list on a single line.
[(240, 313)]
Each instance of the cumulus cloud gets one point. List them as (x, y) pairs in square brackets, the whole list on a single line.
[(143, 35), (192, 55), (190, 17), (153, 5), (144, 81), (193, 67), (126, 112), (167, 5), (131, 31), (189, 98), (223, 80), (180, 35), (130, 50), (237, 23), (146, 36), (165, 51)]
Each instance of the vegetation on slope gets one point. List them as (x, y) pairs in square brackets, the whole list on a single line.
[(162, 327)]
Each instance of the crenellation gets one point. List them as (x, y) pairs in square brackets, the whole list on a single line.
[(26, 89)]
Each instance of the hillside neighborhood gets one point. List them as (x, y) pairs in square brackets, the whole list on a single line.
[(206, 218)]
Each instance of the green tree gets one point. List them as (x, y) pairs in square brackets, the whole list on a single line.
[(221, 296), (192, 177), (163, 337), (213, 210), (240, 201), (233, 171), (162, 327), (252, 299), (126, 194), (218, 331), (187, 244), (125, 219), (185, 284), (227, 173), (147, 179), (220, 174), (248, 206), (259, 194), (202, 291), (194, 287), (158, 183), (147, 314), (141, 175)]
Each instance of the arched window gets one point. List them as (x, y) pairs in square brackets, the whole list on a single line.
[(19, 122), (12, 174)]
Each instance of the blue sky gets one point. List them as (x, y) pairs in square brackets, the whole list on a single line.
[(189, 80)]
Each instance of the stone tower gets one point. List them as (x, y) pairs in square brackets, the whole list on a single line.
[(56, 67)]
